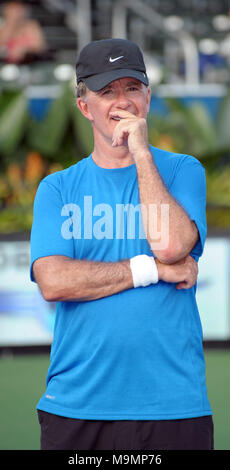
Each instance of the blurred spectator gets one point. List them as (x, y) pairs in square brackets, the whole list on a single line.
[(21, 38)]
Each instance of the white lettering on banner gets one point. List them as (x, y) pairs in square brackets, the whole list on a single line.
[(125, 219)]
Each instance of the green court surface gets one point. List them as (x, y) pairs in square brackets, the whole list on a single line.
[(23, 382)]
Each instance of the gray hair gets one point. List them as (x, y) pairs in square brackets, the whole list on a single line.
[(81, 90)]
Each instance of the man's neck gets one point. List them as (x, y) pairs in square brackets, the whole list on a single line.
[(108, 157)]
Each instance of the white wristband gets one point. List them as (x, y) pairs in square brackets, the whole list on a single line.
[(144, 270)]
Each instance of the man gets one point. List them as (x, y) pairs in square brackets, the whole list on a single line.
[(115, 242), (21, 37)]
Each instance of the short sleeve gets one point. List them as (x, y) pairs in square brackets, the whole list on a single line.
[(46, 233), (189, 189)]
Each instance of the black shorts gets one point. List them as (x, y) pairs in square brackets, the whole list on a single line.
[(59, 433)]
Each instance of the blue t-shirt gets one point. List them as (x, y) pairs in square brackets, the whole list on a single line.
[(133, 355)]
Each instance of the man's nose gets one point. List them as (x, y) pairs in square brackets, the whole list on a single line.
[(122, 101)]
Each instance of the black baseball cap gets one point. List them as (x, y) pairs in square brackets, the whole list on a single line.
[(101, 62)]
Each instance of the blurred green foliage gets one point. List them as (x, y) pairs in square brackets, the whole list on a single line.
[(30, 149), (190, 129)]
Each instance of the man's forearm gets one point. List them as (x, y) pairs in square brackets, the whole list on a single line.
[(175, 233), (63, 279), (183, 233)]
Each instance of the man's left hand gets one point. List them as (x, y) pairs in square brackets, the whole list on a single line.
[(131, 131)]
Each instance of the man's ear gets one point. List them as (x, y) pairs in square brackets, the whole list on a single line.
[(83, 107), (148, 97)]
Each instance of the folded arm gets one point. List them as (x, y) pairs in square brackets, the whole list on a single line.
[(178, 234), (61, 278)]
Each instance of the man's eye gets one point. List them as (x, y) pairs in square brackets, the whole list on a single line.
[(106, 92)]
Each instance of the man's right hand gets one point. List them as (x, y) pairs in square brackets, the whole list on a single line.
[(61, 278), (183, 273)]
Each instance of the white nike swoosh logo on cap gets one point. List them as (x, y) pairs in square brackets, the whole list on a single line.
[(115, 58)]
